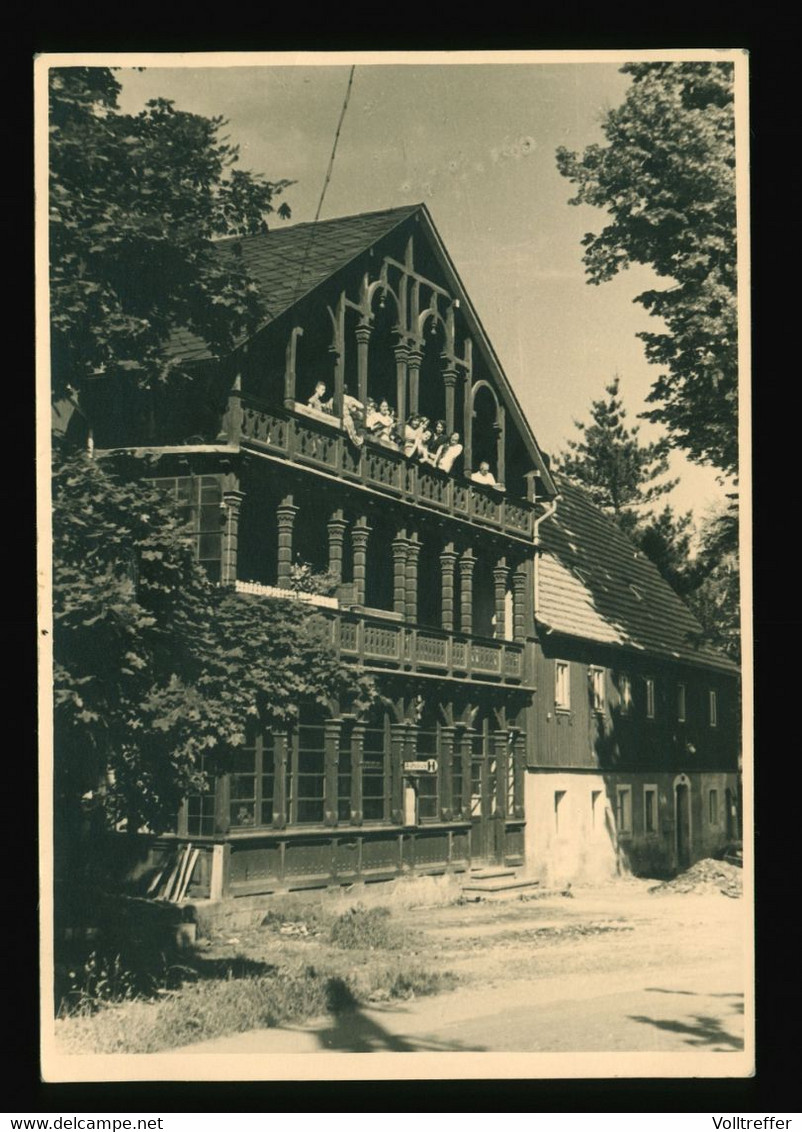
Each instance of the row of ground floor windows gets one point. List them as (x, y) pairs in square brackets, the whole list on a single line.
[(344, 773), (719, 813)]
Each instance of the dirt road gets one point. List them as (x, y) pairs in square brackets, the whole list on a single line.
[(613, 969)]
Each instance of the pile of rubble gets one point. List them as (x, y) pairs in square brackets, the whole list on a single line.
[(704, 877)]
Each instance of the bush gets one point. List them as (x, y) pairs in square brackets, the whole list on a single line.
[(367, 929)]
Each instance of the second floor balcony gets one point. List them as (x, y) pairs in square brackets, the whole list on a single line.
[(319, 442), (378, 639)]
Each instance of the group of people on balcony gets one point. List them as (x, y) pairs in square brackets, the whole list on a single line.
[(417, 437)]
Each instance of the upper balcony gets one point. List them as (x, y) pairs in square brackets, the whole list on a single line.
[(313, 440)]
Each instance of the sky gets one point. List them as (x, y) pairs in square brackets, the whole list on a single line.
[(476, 142)]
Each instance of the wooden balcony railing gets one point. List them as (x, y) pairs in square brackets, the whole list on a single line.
[(313, 441), (410, 648)]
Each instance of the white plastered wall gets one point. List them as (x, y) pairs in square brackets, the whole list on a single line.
[(577, 843)]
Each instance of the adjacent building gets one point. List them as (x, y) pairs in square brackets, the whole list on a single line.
[(546, 700)]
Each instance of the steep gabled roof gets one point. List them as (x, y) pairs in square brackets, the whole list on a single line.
[(596, 585), (287, 263)]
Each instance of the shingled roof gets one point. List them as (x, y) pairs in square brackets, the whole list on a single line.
[(595, 584), (287, 263)]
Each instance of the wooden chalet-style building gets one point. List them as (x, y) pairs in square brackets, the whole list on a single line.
[(286, 454)]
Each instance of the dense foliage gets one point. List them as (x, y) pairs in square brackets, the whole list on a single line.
[(666, 178), (154, 666), (136, 202)]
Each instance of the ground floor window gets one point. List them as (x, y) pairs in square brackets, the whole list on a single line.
[(712, 807), (427, 747), (559, 799), (623, 813), (650, 809), (375, 778), (200, 810)]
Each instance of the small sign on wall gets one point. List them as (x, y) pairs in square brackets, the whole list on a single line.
[(421, 766)]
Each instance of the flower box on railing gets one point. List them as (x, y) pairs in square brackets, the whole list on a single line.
[(261, 590)]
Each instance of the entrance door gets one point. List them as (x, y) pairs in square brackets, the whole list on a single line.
[(683, 812), (483, 804)]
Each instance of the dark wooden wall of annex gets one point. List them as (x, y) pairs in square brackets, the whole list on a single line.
[(263, 363), (616, 739)]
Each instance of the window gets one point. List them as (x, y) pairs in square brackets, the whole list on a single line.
[(712, 807), (650, 809), (680, 703), (426, 748), (623, 809), (649, 681), (625, 694), (559, 798), (373, 773), (309, 779), (200, 499), (596, 809), (562, 685), (201, 810), (713, 708), (597, 688), (344, 774)]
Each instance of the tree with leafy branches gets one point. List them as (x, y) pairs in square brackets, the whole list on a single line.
[(155, 667), (666, 178), (137, 202)]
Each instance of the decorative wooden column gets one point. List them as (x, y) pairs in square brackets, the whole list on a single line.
[(414, 360), (466, 740), (466, 564), (360, 534), (413, 553), (448, 559), (400, 549), (357, 744), (336, 528), (331, 762), (290, 390), (285, 515), (467, 439), (500, 578), (362, 334), (232, 501), (449, 383), (401, 355), (398, 733), (500, 431), (445, 769), (499, 740), (281, 756), (520, 602)]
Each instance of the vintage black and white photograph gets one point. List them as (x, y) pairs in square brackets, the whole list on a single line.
[(394, 558)]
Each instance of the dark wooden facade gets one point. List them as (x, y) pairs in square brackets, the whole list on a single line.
[(432, 576)]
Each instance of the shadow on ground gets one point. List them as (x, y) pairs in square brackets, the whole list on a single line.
[(352, 1031), (703, 1030)]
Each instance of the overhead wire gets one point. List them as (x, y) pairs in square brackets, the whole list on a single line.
[(326, 180)]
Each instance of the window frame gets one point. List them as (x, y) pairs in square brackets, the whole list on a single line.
[(623, 829), (562, 685), (650, 790), (598, 687), (713, 807), (651, 696), (712, 707), (625, 693)]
